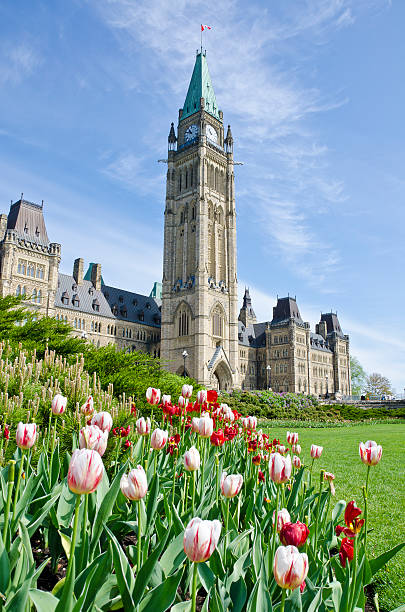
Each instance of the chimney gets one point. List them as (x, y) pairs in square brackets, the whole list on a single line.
[(321, 329), (78, 271), (3, 226), (96, 276)]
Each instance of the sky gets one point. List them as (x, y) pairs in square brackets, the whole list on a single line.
[(314, 92)]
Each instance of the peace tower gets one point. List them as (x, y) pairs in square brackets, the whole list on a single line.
[(199, 293)]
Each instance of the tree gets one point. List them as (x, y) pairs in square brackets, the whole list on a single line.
[(358, 375), (377, 384)]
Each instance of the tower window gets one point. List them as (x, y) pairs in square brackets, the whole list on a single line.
[(184, 322), (217, 323)]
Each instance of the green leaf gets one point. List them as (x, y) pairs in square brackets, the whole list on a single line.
[(292, 498), (206, 576), (67, 599), (66, 543), (379, 562), (400, 609), (257, 553), (123, 571), (4, 568), (146, 570), (183, 606), (238, 594), (293, 603), (313, 606), (66, 505), (173, 556), (259, 598), (338, 510), (152, 501), (161, 597), (43, 601)]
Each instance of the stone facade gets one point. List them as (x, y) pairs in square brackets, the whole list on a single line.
[(191, 321)]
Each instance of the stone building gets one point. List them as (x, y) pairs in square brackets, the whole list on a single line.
[(191, 320)]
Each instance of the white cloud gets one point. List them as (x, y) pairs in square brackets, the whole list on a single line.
[(17, 61), (132, 171)]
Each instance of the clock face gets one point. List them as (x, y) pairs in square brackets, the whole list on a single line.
[(191, 133), (212, 133)]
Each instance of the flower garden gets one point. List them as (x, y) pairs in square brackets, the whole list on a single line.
[(188, 506)]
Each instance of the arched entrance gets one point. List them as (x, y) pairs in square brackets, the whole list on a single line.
[(221, 378)]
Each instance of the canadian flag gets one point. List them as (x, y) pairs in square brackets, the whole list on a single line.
[(205, 27)]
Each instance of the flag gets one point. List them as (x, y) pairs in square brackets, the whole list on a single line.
[(205, 27)]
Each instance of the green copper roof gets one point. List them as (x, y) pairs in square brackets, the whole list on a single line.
[(200, 87), (87, 276), (156, 291)]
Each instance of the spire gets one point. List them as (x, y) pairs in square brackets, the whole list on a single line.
[(172, 138), (247, 300), (247, 314), (200, 94), (229, 141)]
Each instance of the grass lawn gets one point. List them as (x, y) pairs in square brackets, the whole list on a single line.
[(386, 489)]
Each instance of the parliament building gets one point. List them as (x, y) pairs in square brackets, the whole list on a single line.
[(191, 320)]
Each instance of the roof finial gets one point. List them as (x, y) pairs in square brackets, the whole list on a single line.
[(22, 195)]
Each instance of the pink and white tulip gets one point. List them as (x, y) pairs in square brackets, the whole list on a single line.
[(85, 471), (231, 484), (166, 400), (187, 390), (59, 404), (296, 462), (200, 539), (296, 448), (183, 402), (316, 451), (93, 438), (152, 396), (143, 426), (290, 567), (195, 424), (205, 427), (135, 485), (370, 452), (249, 422), (26, 435), (202, 396), (192, 459), (158, 439), (292, 437), (330, 478), (88, 406), (103, 420), (283, 517), (280, 468)]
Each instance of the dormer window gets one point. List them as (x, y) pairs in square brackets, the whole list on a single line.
[(91, 291), (74, 287), (36, 232), (76, 301), (26, 228), (135, 302), (114, 309), (65, 298), (96, 305), (106, 295), (148, 305), (124, 312), (121, 299), (141, 316)]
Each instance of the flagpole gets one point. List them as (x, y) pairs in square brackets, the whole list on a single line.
[(201, 37)]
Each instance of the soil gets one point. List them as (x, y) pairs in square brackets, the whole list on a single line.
[(48, 578)]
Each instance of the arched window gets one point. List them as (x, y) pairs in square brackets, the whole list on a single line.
[(18, 290), (184, 322), (217, 323), (39, 296), (34, 295)]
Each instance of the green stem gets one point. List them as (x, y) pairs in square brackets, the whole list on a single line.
[(226, 528), (354, 570), (116, 455), (203, 441), (49, 432), (193, 494), (73, 541), (84, 529), (184, 493), (217, 481), (17, 488), (139, 538), (143, 449), (174, 480), (186, 496), (273, 542), (11, 473), (318, 507), (365, 496), (283, 600), (155, 461), (194, 589)]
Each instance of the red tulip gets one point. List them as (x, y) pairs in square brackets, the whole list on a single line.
[(330, 478), (187, 390), (201, 396), (256, 460), (212, 396), (6, 432), (346, 551), (294, 534), (296, 462), (261, 476), (217, 438), (353, 523)]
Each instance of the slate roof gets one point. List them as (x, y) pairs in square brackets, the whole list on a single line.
[(332, 323), (200, 87), (27, 219), (252, 335), (134, 305), (319, 343), (286, 309), (86, 294)]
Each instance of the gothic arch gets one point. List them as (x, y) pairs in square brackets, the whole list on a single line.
[(221, 378), (183, 318)]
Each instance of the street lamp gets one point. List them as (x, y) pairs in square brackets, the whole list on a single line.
[(185, 355), (268, 370), (327, 390)]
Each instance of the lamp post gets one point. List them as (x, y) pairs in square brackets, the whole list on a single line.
[(327, 390), (185, 355), (268, 371)]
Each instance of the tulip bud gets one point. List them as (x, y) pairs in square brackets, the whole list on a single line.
[(85, 471), (88, 406), (192, 459), (135, 485), (296, 448), (316, 451), (166, 400), (294, 534), (143, 426), (195, 424), (202, 396), (296, 462), (290, 567), (200, 539), (59, 404), (158, 439), (205, 427), (93, 438), (187, 390), (370, 452), (330, 478), (292, 438), (153, 395), (279, 468), (183, 402), (283, 517), (231, 485), (26, 435), (103, 420), (252, 422)]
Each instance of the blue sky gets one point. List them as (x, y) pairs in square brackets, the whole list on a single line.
[(314, 92)]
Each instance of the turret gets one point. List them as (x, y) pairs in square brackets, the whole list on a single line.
[(172, 139), (229, 141)]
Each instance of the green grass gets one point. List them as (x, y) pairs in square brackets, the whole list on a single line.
[(386, 489)]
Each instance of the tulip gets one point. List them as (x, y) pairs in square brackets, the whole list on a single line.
[(158, 439), (93, 438), (283, 517), (279, 468), (290, 567), (183, 402), (88, 406), (200, 539), (205, 427), (316, 451), (249, 422), (166, 400), (6, 432), (195, 424), (294, 534), (370, 452), (296, 448), (26, 435), (143, 426), (192, 459), (231, 484), (135, 485), (212, 396), (281, 449), (187, 390), (152, 395), (346, 552), (296, 462), (330, 478), (85, 471), (292, 438), (59, 404), (202, 396), (103, 420), (217, 438)]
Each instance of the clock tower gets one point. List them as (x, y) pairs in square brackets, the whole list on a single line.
[(199, 329)]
